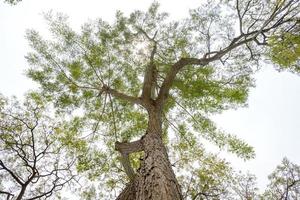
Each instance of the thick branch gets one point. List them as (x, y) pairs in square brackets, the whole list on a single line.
[(236, 42), (165, 88), (168, 81), (131, 147), (125, 149), (122, 96), (127, 166), (149, 78)]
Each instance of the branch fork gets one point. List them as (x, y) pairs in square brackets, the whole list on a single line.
[(126, 148)]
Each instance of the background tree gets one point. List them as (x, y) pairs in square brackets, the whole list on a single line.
[(284, 182), (211, 180), (33, 163), (244, 187), (136, 79)]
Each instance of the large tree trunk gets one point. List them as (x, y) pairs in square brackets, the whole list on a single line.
[(155, 179)]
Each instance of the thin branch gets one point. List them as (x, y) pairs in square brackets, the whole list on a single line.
[(240, 17), (15, 177), (8, 194), (99, 76)]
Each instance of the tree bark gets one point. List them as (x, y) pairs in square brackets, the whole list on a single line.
[(129, 193), (155, 180)]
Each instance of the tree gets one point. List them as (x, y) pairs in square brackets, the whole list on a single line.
[(245, 187), (284, 182), (33, 164), (212, 180), (136, 79)]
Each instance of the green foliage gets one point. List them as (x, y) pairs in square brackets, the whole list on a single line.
[(89, 194), (68, 135), (285, 50)]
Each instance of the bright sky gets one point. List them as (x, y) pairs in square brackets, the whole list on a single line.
[(270, 122)]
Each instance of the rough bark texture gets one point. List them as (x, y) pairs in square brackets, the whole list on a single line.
[(155, 180), (156, 177), (129, 193)]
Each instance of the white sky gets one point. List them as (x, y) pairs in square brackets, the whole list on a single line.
[(270, 122)]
